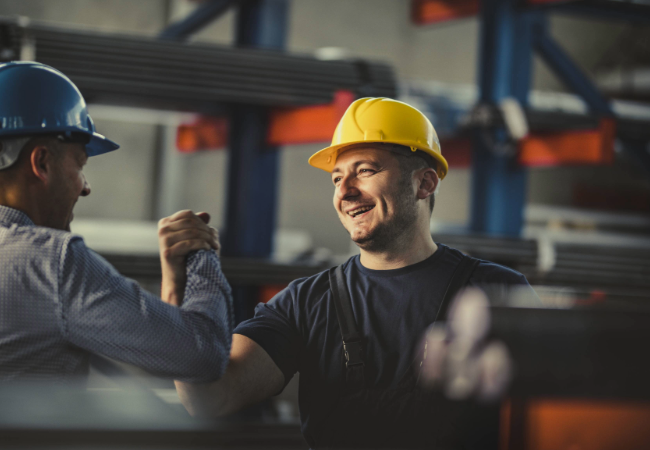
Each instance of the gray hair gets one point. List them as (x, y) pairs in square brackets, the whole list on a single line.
[(10, 149)]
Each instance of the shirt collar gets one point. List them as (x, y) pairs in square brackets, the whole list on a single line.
[(9, 216)]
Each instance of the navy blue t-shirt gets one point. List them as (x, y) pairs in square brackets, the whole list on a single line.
[(299, 330)]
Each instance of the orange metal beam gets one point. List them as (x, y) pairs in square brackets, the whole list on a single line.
[(577, 424), (286, 126), (317, 124), (205, 133), (425, 12), (308, 124), (570, 147)]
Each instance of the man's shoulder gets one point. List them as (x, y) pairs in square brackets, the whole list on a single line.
[(40, 241), (312, 288), (488, 272)]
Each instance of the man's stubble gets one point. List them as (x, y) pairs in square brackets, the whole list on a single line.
[(387, 234)]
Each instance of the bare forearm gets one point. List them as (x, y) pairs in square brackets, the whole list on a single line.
[(202, 400), (173, 287), (251, 376)]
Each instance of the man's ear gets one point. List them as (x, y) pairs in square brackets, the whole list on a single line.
[(428, 183), (41, 162)]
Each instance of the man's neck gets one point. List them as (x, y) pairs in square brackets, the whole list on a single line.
[(21, 201), (416, 249)]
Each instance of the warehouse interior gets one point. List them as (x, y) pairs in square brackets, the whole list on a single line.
[(542, 108)]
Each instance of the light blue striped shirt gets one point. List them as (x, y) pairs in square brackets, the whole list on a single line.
[(61, 302)]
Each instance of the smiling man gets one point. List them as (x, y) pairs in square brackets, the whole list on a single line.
[(352, 332), (61, 302)]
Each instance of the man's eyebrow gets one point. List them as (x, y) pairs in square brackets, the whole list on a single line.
[(358, 163)]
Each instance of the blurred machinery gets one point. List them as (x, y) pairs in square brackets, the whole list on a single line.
[(511, 32), (41, 415)]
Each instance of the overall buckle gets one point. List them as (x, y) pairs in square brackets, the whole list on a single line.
[(352, 351)]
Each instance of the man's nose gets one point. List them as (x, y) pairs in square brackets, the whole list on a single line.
[(85, 192), (347, 188)]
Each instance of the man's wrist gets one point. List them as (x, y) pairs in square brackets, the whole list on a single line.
[(173, 284)]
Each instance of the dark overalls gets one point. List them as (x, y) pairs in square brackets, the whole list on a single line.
[(404, 416)]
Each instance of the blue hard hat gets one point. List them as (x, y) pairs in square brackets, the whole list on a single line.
[(38, 99)]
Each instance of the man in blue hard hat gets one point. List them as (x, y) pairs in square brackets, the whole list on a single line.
[(60, 302)]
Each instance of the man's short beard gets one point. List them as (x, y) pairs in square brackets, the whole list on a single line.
[(385, 236)]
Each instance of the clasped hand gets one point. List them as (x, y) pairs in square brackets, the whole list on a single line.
[(179, 235)]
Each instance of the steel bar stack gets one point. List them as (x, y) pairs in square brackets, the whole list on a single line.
[(149, 72)]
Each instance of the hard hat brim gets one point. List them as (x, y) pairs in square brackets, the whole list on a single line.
[(98, 145), (325, 159)]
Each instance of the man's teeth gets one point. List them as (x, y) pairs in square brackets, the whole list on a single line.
[(356, 212)]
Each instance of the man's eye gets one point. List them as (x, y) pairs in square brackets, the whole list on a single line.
[(336, 180), (366, 171)]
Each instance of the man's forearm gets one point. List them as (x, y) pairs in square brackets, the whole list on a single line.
[(205, 400), (108, 314), (251, 376), (172, 288)]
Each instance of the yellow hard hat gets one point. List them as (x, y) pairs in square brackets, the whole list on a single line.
[(382, 120)]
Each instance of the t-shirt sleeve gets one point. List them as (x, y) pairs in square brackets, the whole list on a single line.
[(274, 328), (504, 286)]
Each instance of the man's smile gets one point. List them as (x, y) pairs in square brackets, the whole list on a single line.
[(359, 211)]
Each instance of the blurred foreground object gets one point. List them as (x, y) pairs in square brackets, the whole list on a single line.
[(455, 357), (67, 416), (574, 378)]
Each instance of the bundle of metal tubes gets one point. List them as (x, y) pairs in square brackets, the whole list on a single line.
[(156, 73)]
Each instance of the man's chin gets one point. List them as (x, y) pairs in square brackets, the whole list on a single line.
[(365, 241)]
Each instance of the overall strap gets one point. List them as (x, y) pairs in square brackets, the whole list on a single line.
[(352, 339), (459, 280)]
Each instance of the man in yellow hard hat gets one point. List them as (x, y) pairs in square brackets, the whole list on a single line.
[(353, 331)]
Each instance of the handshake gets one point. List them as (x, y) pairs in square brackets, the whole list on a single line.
[(179, 235)]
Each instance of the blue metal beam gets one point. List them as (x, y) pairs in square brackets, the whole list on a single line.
[(252, 185), (262, 24), (251, 202), (498, 182), (253, 165), (571, 74), (199, 18)]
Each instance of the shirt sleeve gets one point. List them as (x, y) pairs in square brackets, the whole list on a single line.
[(274, 328), (504, 286), (105, 313)]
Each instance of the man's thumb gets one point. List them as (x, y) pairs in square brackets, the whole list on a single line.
[(204, 216)]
